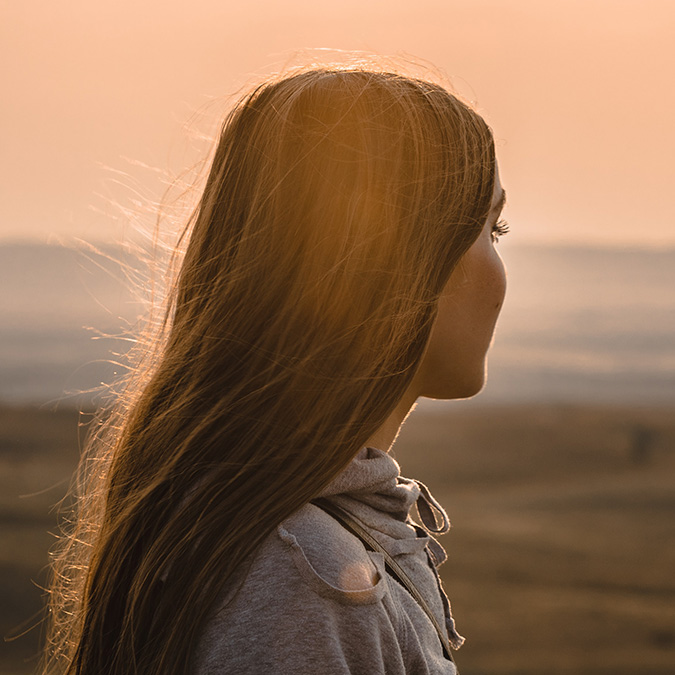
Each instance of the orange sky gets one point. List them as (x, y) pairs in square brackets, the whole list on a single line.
[(579, 93)]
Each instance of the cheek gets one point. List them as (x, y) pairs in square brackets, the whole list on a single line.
[(492, 285), (499, 282), (467, 314), (484, 304)]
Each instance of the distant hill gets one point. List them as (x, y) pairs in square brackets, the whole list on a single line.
[(57, 287)]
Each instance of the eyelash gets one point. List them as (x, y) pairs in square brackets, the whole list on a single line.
[(499, 229)]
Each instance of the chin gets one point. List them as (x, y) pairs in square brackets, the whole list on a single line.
[(455, 388)]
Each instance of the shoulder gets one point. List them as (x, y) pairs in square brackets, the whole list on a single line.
[(313, 595), (312, 554), (330, 559)]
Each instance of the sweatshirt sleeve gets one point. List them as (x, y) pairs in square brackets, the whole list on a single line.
[(289, 617)]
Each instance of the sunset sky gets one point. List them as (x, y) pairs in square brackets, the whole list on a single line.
[(579, 93)]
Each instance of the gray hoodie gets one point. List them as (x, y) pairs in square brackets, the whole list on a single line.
[(316, 601)]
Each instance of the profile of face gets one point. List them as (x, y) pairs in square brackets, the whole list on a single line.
[(454, 363)]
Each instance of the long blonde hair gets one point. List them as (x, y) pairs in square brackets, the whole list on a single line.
[(338, 203)]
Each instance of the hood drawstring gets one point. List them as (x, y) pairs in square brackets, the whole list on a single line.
[(426, 504)]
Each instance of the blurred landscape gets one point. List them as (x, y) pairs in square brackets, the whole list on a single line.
[(562, 549), (559, 479), (579, 324)]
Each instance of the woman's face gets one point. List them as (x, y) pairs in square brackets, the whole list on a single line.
[(454, 364)]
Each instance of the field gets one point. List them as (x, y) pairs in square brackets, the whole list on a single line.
[(562, 550)]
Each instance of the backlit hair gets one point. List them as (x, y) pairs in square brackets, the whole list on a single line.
[(337, 205)]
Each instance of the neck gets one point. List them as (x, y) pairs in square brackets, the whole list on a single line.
[(384, 437)]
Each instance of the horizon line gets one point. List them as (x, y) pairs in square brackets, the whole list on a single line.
[(72, 242)]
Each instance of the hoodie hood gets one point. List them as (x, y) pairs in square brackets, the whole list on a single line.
[(372, 489)]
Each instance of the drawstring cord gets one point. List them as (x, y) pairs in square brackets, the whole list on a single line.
[(426, 504)]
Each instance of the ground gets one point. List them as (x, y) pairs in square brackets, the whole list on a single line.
[(561, 554)]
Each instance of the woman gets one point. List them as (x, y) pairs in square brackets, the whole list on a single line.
[(243, 515)]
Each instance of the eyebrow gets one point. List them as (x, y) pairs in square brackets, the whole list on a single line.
[(500, 204)]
